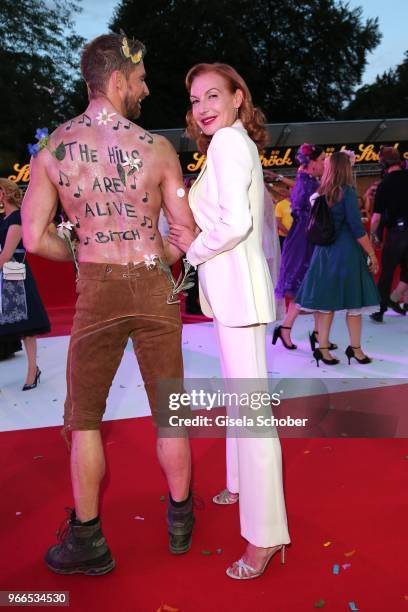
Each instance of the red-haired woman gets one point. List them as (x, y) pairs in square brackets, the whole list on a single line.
[(227, 201)]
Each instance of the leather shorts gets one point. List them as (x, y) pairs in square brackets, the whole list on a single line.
[(117, 302)]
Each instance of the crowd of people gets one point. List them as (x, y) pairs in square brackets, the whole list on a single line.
[(231, 237)]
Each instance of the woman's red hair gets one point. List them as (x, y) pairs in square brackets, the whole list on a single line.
[(252, 118)]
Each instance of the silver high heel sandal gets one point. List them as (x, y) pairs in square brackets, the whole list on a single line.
[(225, 498), (246, 572)]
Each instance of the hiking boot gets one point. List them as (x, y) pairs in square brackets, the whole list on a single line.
[(82, 549), (180, 523), (377, 316)]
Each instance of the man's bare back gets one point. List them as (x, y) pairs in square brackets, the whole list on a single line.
[(112, 178), (109, 184)]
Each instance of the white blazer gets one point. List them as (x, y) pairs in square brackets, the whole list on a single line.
[(227, 201)]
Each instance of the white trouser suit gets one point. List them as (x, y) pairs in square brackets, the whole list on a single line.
[(236, 290)]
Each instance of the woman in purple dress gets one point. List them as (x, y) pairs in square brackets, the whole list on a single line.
[(297, 251)]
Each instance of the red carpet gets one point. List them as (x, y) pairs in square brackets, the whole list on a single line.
[(352, 493)]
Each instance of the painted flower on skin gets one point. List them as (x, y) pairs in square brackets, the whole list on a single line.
[(150, 261), (104, 117), (134, 163)]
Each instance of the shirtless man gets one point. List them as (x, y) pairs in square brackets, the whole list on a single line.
[(112, 177)]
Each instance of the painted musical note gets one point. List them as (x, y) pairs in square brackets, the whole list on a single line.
[(147, 221), (153, 237), (134, 182), (147, 136), (87, 239), (70, 125), (77, 194), (63, 179), (86, 120), (146, 198), (78, 222), (119, 123)]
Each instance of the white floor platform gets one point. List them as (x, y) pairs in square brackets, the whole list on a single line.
[(43, 406)]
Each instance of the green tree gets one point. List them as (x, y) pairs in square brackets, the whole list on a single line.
[(386, 97), (38, 63), (301, 60)]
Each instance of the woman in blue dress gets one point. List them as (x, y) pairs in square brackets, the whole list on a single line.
[(339, 276), (22, 313), (297, 251)]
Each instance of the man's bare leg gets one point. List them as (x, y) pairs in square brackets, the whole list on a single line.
[(83, 548), (175, 460), (87, 471)]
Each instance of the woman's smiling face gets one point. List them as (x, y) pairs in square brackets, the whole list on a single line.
[(214, 106)]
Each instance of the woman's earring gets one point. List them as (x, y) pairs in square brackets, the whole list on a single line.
[(236, 113)]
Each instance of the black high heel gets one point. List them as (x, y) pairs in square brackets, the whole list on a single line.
[(313, 341), (277, 333), (350, 354), (318, 355), (36, 381)]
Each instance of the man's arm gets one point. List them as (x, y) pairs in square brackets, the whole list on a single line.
[(375, 222), (37, 212), (379, 208), (176, 206)]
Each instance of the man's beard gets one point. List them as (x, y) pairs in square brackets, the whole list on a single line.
[(132, 108)]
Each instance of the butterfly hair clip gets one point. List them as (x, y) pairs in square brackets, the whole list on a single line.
[(135, 58)]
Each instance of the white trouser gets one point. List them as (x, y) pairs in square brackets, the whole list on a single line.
[(254, 465)]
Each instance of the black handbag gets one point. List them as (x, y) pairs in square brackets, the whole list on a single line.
[(320, 228)]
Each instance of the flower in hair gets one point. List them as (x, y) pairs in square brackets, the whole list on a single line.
[(307, 148), (304, 153), (351, 155)]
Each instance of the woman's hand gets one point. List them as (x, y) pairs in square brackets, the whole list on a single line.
[(181, 237), (373, 265)]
